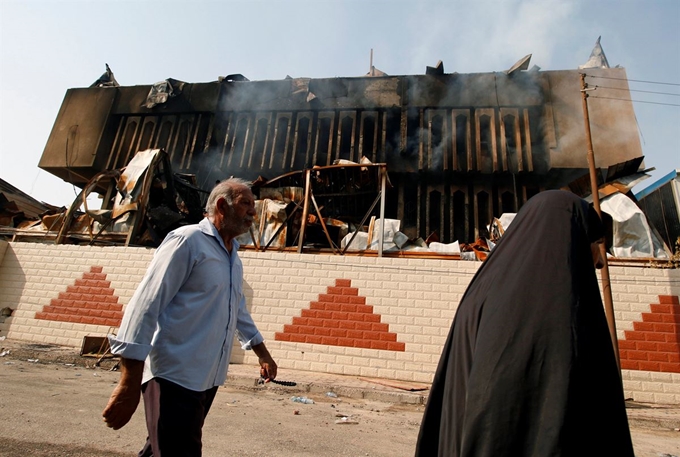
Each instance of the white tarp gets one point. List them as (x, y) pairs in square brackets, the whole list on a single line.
[(391, 228), (441, 248), (360, 242), (632, 235)]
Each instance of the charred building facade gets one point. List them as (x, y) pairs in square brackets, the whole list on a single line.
[(460, 148)]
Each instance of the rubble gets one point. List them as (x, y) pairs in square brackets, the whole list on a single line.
[(311, 210), (140, 204), (19, 210)]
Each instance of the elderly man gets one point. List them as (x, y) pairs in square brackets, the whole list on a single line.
[(176, 336)]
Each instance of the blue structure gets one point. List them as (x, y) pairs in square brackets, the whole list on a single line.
[(661, 203)]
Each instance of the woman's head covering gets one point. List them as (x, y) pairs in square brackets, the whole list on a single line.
[(528, 367)]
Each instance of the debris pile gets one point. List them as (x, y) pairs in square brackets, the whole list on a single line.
[(338, 208), (19, 210), (140, 204)]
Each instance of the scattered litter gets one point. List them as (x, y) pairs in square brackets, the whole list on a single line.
[(77, 374), (331, 394), (2, 338), (95, 374), (32, 360), (69, 364), (296, 412), (305, 400), (9, 363), (346, 420), (4, 353)]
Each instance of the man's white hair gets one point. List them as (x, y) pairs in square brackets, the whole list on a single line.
[(227, 189)]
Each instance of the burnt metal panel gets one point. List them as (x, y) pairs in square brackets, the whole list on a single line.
[(461, 140), (239, 140), (437, 140), (613, 128), (260, 143), (281, 141), (302, 141), (662, 209), (486, 140), (369, 141), (347, 126), (78, 144), (323, 146), (511, 140)]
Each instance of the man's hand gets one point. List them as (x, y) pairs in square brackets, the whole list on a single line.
[(267, 365), (126, 395), (268, 369)]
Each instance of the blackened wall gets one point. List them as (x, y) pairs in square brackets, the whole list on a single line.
[(460, 148)]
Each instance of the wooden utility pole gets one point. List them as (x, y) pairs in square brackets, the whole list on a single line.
[(604, 272)]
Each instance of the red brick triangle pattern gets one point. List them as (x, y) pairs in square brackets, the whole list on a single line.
[(654, 343), (90, 300), (341, 318)]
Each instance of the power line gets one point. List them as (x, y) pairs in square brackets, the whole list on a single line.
[(636, 101), (636, 90), (633, 80)]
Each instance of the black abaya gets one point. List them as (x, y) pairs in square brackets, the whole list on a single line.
[(528, 368)]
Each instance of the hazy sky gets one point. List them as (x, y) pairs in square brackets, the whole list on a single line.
[(47, 47)]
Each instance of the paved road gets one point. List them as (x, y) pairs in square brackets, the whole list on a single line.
[(50, 410), (54, 409)]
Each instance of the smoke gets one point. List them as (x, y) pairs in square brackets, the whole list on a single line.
[(488, 36)]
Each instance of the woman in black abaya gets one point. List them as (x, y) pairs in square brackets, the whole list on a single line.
[(528, 368)]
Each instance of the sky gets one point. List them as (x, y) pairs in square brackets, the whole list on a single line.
[(47, 47)]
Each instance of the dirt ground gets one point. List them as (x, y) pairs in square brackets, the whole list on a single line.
[(55, 410)]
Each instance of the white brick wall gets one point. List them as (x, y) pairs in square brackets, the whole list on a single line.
[(417, 298), (32, 274)]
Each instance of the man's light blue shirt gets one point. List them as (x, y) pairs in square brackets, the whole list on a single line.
[(184, 314)]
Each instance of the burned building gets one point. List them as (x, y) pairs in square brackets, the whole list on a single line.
[(661, 203), (460, 148)]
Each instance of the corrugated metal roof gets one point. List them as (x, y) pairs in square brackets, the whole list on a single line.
[(31, 207), (654, 186)]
